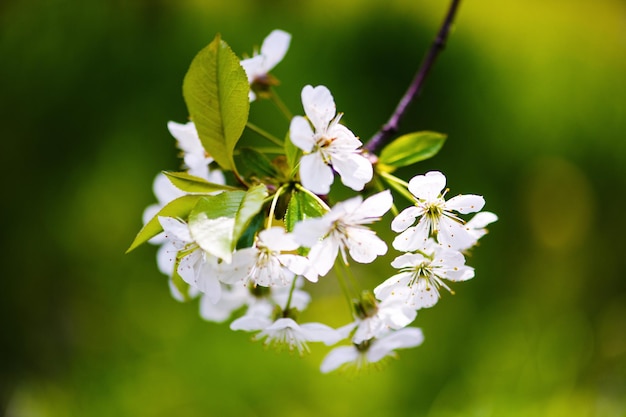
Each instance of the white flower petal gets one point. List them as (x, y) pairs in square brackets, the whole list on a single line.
[(481, 220), (274, 48), (277, 239), (309, 232), (164, 190), (301, 134), (405, 218), (254, 67), (187, 137), (374, 206), (319, 106), (427, 186), (454, 235), (408, 259), (323, 255), (365, 246), (337, 357), (422, 296), (318, 332), (175, 229), (412, 238), (393, 286), (401, 339), (300, 265), (166, 257), (354, 169), (250, 323), (467, 203), (315, 175)]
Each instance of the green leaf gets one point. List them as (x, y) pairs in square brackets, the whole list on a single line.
[(293, 154), (302, 206), (409, 149), (181, 207), (256, 163), (192, 184), (250, 206), (217, 222), (247, 238), (212, 221), (216, 89)]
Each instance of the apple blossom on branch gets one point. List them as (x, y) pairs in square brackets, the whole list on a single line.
[(248, 230)]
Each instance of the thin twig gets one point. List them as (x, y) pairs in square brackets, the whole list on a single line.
[(381, 137)]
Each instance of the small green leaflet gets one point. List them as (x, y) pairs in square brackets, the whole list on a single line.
[(215, 90), (256, 163), (217, 222), (293, 154), (177, 281), (302, 206), (180, 208), (409, 149), (192, 184)]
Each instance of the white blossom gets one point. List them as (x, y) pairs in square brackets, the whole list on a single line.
[(343, 229), (373, 350), (196, 267), (422, 274), (286, 332), (390, 314), (327, 145), (196, 158), (477, 227), (273, 50), (436, 217), (257, 300), (266, 263)]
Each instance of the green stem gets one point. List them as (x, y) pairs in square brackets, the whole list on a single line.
[(344, 288), (264, 134), (397, 184), (280, 104), (355, 284), (291, 291), (273, 205)]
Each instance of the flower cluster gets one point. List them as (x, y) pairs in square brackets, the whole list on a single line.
[(249, 250)]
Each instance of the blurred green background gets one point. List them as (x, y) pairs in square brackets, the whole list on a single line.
[(532, 95)]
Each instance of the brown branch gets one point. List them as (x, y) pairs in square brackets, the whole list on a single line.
[(384, 135)]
